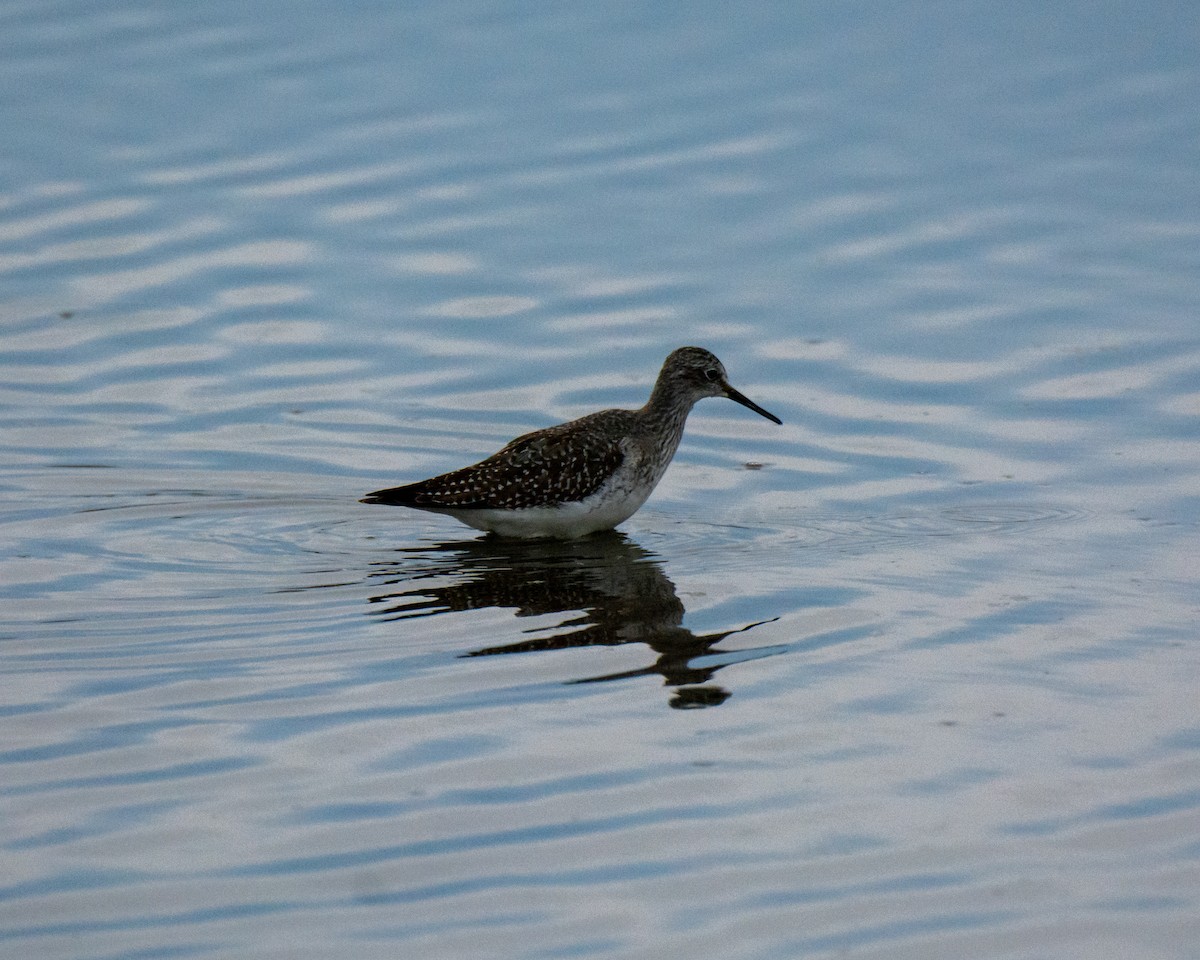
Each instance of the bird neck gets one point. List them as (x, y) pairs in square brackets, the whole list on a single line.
[(667, 409)]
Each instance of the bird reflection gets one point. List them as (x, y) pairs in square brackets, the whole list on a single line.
[(613, 589)]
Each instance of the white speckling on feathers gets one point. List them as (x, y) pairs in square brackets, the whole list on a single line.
[(566, 463)]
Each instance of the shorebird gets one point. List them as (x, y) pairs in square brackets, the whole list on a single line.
[(582, 476)]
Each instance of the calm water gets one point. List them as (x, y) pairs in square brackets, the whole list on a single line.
[(913, 676)]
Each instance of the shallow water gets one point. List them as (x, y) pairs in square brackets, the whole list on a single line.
[(913, 675)]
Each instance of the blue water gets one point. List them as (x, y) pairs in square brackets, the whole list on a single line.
[(912, 676)]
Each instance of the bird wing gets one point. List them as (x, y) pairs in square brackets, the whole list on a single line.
[(561, 464)]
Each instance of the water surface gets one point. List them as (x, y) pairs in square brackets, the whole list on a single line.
[(913, 675)]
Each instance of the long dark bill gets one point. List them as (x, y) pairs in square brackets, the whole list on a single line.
[(745, 401)]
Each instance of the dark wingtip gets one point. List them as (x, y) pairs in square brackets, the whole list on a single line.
[(393, 496)]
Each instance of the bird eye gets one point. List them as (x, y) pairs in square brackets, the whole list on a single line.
[(712, 374)]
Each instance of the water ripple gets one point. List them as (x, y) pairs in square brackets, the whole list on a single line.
[(837, 684)]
